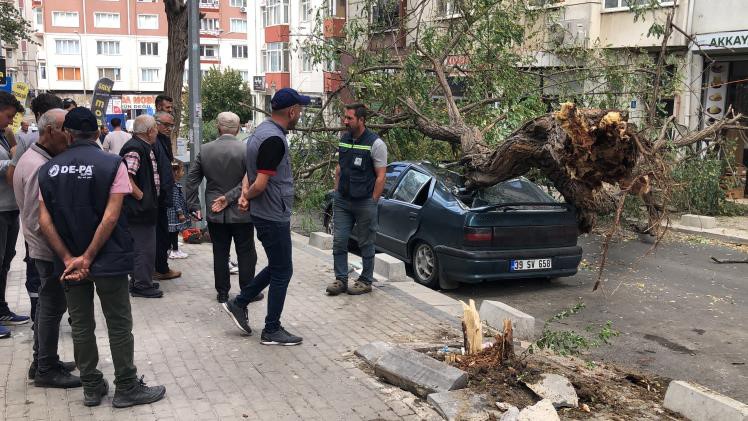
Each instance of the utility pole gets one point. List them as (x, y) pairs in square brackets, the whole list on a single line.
[(196, 107)]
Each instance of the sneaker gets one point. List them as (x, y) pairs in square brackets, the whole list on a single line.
[(146, 292), (279, 337), (181, 255), (238, 315), (139, 394), (92, 397), (338, 286), (67, 366), (171, 274), (4, 332), (359, 287), (58, 377), (173, 254), (11, 319), (222, 297), (233, 268)]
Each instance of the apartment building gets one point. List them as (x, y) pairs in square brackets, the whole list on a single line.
[(81, 41)]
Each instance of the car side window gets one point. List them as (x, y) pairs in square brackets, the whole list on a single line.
[(410, 186), (391, 176)]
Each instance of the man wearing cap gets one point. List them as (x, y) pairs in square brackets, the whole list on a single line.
[(222, 164), (82, 191), (68, 104), (268, 186), (46, 368), (164, 157)]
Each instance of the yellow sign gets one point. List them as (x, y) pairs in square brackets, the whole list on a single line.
[(20, 91)]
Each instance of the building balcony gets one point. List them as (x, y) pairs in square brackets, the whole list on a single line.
[(210, 33), (275, 81), (332, 81), (209, 5), (36, 3), (277, 33), (333, 27)]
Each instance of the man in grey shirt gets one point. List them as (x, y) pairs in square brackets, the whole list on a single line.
[(359, 182)]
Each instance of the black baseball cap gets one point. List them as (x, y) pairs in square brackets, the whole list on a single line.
[(68, 102), (288, 97), (81, 118)]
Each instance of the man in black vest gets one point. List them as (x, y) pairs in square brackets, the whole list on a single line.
[(141, 207), (80, 215), (359, 181), (164, 156)]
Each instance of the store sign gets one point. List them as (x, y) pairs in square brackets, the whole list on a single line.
[(20, 91), (138, 102), (114, 106), (258, 83), (716, 92), (100, 100), (721, 41)]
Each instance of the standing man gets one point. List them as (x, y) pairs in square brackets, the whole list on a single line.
[(9, 107), (80, 215), (116, 139), (222, 164), (359, 181), (164, 157), (24, 135), (165, 103), (103, 131), (46, 369), (269, 187), (141, 207)]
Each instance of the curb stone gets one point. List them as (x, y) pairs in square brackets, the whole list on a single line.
[(697, 403)]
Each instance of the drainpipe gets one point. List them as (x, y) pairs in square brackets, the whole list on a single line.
[(689, 99)]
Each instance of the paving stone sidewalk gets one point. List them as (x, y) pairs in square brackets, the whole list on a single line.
[(211, 371)]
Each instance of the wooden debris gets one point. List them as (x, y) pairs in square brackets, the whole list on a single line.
[(472, 330)]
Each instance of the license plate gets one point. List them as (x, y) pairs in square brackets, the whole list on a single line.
[(531, 264)]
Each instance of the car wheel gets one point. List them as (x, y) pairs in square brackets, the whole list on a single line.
[(425, 265), (327, 221)]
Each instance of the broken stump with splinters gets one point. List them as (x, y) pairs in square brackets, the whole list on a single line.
[(472, 330)]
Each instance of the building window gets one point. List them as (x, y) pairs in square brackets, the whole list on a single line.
[(331, 65), (147, 21), (65, 19), (209, 24), (446, 8), (307, 64), (148, 48), (42, 71), (244, 74), (67, 46), (68, 73), (107, 48), (149, 75), (39, 18), (306, 10), (277, 57), (238, 26), (238, 3), (106, 20), (209, 51), (239, 51), (336, 8), (8, 53), (261, 64), (112, 73), (276, 13), (621, 4), (385, 14)]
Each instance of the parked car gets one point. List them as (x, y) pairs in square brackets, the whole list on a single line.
[(449, 235)]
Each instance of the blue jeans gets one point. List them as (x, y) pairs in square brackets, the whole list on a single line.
[(276, 240), (347, 213)]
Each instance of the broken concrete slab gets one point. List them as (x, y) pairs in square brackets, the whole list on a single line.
[(541, 411), (373, 351), (321, 240), (390, 268), (697, 403), (495, 312), (556, 388), (698, 221), (418, 373), (511, 414), (460, 405)]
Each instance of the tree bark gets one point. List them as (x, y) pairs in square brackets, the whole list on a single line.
[(176, 17)]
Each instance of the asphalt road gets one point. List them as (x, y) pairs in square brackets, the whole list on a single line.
[(680, 315)]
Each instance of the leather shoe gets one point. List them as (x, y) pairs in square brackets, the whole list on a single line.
[(57, 377), (171, 274), (146, 293), (222, 297)]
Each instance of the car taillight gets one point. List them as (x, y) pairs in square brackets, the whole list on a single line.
[(478, 236)]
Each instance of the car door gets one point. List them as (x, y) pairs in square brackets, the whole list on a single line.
[(399, 212)]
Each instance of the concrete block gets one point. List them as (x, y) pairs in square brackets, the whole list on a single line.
[(494, 313), (321, 240), (697, 403), (698, 221), (419, 373), (391, 268), (541, 411), (555, 388), (373, 351), (460, 405)]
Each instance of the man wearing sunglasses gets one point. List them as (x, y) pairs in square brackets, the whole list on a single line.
[(164, 156)]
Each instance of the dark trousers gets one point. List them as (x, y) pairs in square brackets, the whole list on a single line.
[(244, 243), (50, 309), (8, 236), (115, 303), (276, 240), (363, 215), (144, 238), (163, 241), (33, 282), (174, 240)]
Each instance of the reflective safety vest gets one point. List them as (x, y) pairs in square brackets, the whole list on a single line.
[(357, 175)]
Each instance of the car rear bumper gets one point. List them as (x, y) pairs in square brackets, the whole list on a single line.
[(478, 266)]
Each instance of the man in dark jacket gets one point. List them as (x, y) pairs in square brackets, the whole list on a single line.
[(82, 191), (164, 156), (141, 207)]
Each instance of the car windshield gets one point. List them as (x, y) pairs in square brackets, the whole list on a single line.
[(518, 190)]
